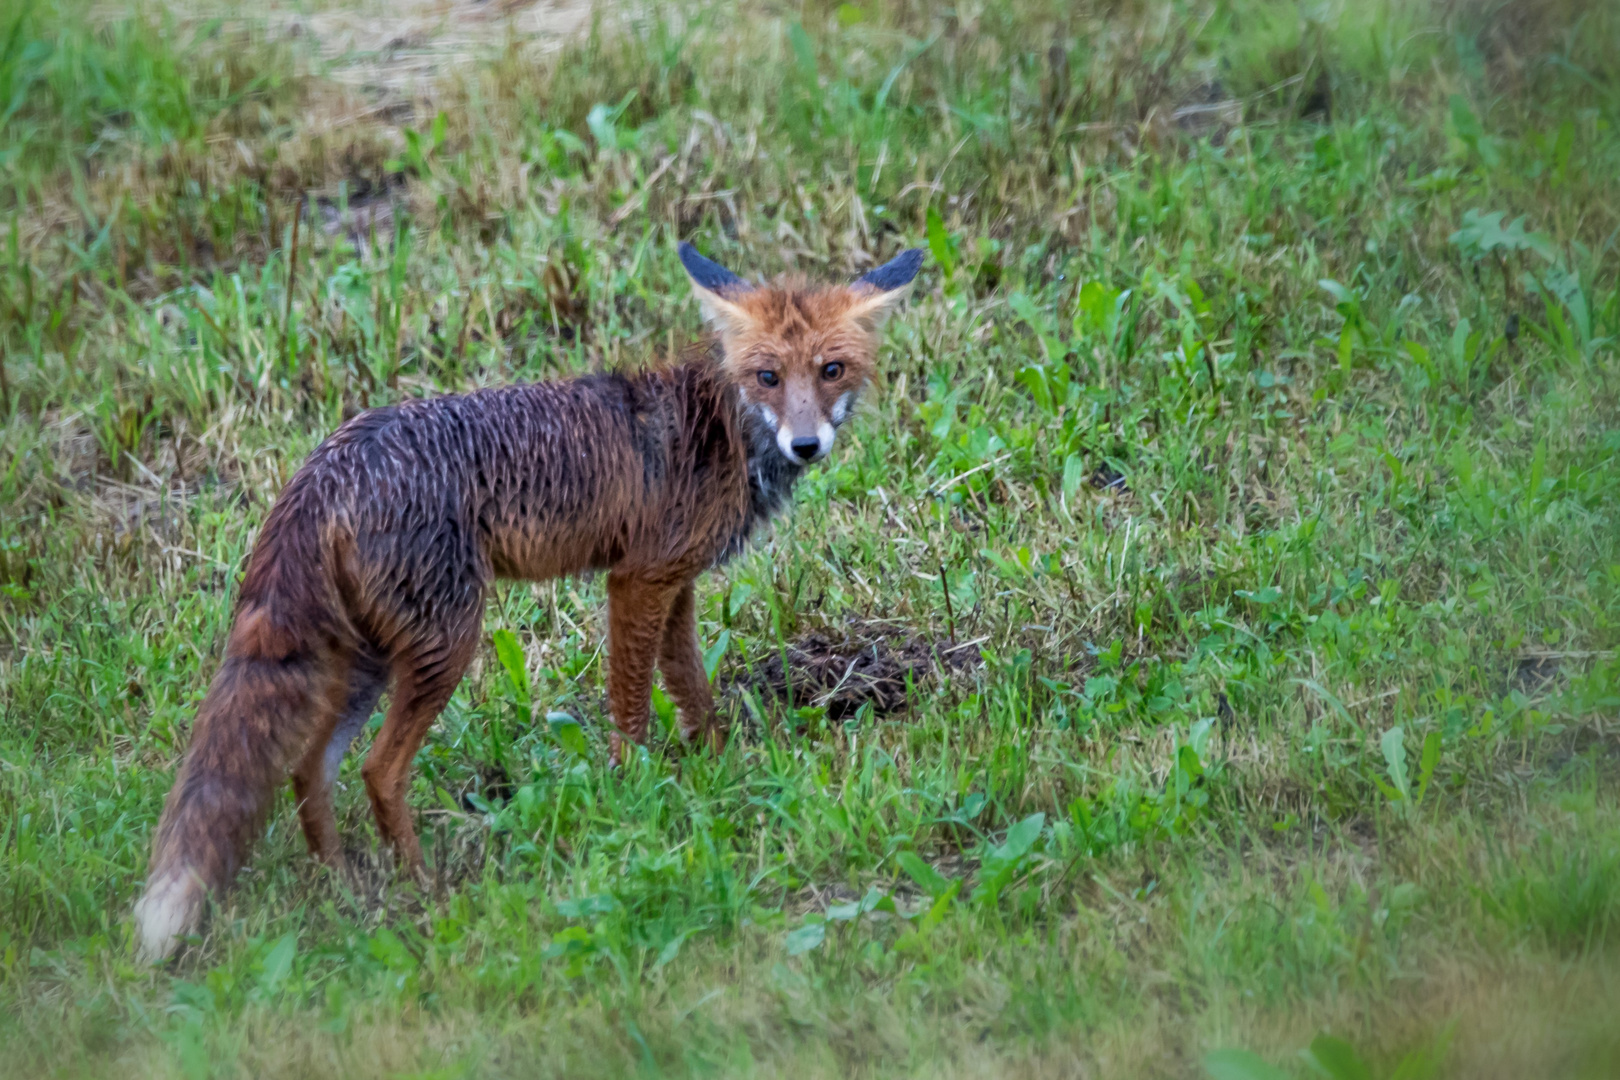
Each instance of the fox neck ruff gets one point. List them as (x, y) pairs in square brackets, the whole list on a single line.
[(771, 475)]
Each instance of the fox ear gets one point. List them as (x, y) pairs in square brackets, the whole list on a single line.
[(877, 292), (717, 289)]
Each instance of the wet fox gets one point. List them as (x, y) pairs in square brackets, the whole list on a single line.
[(373, 565)]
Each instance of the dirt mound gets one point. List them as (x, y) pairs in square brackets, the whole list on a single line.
[(869, 663)]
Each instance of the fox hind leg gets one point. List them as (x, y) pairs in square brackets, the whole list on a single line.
[(425, 679), (680, 657), (317, 770)]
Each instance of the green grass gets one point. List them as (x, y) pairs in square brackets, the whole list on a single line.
[(1266, 454)]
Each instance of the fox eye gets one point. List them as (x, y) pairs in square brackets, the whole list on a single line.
[(832, 370), (767, 378)]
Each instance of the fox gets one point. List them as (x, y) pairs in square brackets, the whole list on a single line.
[(371, 569)]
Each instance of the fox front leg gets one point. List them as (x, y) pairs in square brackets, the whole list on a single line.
[(680, 657), (638, 611)]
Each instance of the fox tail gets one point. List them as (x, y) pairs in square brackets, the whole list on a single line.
[(256, 719)]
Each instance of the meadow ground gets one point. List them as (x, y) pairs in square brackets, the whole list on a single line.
[(1200, 649)]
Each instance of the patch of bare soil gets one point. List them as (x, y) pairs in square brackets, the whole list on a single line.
[(1536, 673), (399, 48), (868, 663), (405, 44)]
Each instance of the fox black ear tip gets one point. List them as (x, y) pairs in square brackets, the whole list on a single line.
[(896, 273), (707, 273)]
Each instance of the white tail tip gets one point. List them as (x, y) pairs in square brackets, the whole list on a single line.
[(167, 912)]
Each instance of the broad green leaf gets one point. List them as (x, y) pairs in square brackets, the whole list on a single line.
[(579, 907), (807, 937), (1427, 763), (878, 900), (516, 664), (1484, 233), (1074, 474), (1096, 304), (1397, 467), (1022, 836), (1033, 376), (804, 53), (1562, 148), (1424, 1063), (939, 243), (843, 912), (931, 880), (386, 946), (599, 121), (603, 121), (663, 708), (714, 653), (1388, 792), (1240, 1065), (1008, 567), (1340, 294), (1025, 308), (1464, 122), (1393, 744), (278, 963), (566, 730), (1337, 1059), (941, 905), (1463, 465), (671, 950)]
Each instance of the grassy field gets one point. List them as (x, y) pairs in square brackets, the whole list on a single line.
[(1198, 659)]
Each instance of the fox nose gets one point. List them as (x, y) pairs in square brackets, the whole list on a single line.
[(806, 449)]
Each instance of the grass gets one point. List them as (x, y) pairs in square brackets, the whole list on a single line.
[(1254, 423)]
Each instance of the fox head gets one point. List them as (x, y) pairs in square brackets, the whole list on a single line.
[(799, 355)]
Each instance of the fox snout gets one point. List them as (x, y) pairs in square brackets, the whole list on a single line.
[(803, 449), (799, 355), (811, 449), (806, 423)]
